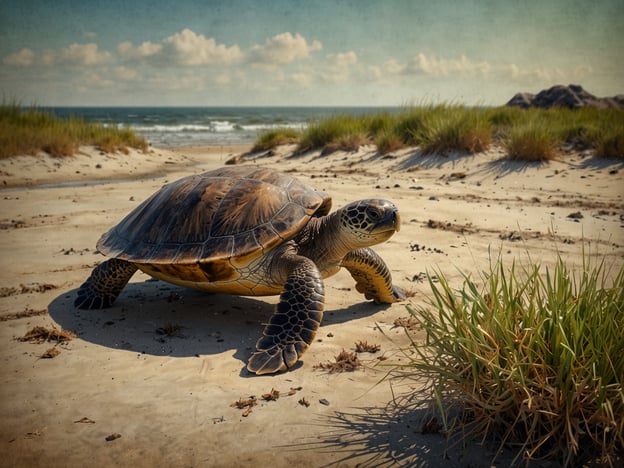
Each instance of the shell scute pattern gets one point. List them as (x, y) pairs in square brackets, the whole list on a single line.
[(221, 219)]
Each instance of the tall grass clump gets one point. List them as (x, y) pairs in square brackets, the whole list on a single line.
[(533, 360), (610, 142), (271, 138), (27, 131), (338, 132), (531, 141), (454, 128)]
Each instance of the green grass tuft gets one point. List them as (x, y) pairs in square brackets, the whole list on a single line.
[(27, 131), (455, 129), (532, 359), (532, 141), (269, 139), (339, 131)]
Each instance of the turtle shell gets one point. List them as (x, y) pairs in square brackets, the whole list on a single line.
[(233, 213)]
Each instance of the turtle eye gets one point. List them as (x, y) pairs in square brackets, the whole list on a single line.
[(373, 213)]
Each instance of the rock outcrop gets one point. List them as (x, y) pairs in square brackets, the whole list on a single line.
[(571, 96)]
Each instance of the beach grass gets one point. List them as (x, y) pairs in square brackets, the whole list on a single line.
[(530, 141), (274, 137), (339, 131), (527, 356), (28, 131), (525, 134)]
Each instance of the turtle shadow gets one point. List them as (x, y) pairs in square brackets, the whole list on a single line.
[(160, 319)]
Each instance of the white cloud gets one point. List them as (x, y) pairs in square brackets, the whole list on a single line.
[(540, 75), (423, 65), (343, 59), (94, 79), (126, 74), (146, 49), (434, 66), (338, 67), (282, 49), (83, 54), (189, 48), (23, 58)]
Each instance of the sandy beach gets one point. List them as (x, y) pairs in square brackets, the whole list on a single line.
[(164, 367)]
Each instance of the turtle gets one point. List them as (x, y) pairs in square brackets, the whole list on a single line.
[(250, 231)]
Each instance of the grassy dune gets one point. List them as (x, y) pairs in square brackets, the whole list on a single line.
[(27, 131), (530, 135)]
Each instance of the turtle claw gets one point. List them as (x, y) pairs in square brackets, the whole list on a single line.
[(399, 293), (275, 359)]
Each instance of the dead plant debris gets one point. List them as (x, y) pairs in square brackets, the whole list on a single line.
[(273, 395), (345, 362), (304, 402), (27, 312), (407, 322), (50, 353), (42, 334), (242, 403), (365, 347)]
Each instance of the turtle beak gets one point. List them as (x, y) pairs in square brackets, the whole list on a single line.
[(391, 220)]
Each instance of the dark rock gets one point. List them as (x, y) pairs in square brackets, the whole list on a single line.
[(522, 100), (571, 97)]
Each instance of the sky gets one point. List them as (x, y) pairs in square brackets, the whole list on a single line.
[(305, 52)]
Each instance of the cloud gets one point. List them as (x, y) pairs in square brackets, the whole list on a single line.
[(126, 74), (338, 67), (23, 58), (74, 54), (189, 48), (434, 66), (282, 49), (83, 54), (146, 49), (423, 65), (96, 80)]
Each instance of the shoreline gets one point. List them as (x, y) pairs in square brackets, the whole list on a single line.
[(170, 396)]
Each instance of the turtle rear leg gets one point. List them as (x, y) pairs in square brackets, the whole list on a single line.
[(296, 319), (104, 285), (372, 276)]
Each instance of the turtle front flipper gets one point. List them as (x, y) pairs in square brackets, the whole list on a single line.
[(296, 319), (104, 285), (372, 276)]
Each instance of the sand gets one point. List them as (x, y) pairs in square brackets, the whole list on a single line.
[(157, 374)]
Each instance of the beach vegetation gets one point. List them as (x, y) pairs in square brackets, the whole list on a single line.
[(28, 131), (340, 131), (526, 356), (530, 141), (271, 138), (525, 134), (454, 129)]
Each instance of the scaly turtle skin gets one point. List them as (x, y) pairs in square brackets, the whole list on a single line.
[(250, 231)]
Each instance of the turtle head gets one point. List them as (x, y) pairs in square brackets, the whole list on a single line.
[(369, 222)]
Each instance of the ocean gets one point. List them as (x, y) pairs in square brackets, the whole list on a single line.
[(169, 127)]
